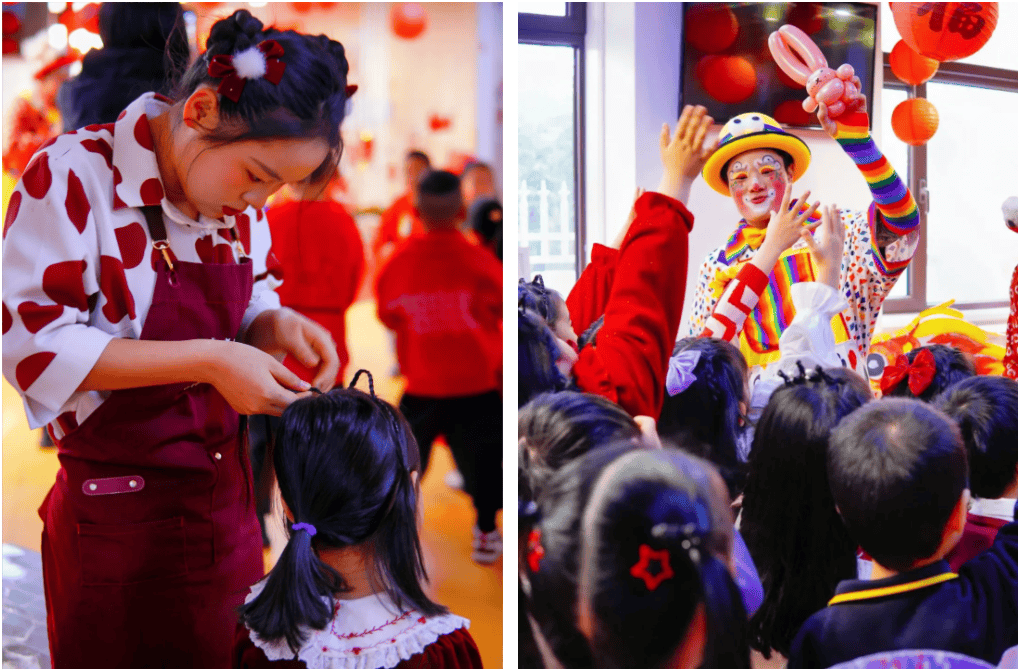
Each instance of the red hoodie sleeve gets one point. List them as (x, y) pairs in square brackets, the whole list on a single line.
[(643, 311), (588, 297)]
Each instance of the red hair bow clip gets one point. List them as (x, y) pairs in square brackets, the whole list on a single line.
[(535, 551), (640, 570), (919, 373), (259, 61)]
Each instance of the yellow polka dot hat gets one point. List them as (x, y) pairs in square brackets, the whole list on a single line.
[(745, 132)]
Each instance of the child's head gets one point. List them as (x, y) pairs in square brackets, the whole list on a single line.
[(788, 520), (550, 305), (544, 362), (438, 200), (416, 164), (985, 410), (654, 585), (925, 372), (477, 181), (548, 558), (557, 427), (347, 466), (259, 109), (487, 223), (706, 400), (898, 472)]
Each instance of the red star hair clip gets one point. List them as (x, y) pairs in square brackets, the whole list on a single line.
[(535, 551), (640, 570)]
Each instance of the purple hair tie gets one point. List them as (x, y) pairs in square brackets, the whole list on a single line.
[(680, 371), (305, 526)]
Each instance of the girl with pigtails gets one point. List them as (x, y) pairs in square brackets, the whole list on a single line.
[(131, 332), (347, 590)]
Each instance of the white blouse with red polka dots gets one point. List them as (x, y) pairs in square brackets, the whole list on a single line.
[(78, 262)]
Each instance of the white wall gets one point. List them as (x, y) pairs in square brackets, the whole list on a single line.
[(641, 46)]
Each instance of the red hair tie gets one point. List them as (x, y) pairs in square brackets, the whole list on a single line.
[(259, 61), (919, 373), (640, 570)]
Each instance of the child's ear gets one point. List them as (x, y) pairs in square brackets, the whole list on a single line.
[(202, 109), (414, 478)]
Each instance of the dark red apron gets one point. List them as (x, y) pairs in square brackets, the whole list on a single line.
[(150, 539)]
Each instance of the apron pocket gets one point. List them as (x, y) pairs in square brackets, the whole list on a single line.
[(132, 553)]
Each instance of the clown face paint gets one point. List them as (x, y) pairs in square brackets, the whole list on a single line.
[(757, 180)]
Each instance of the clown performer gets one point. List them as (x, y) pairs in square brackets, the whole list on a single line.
[(755, 163)]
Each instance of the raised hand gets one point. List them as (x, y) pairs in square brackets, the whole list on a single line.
[(786, 224), (683, 152), (828, 252)]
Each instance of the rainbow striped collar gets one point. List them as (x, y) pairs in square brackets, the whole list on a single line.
[(740, 240)]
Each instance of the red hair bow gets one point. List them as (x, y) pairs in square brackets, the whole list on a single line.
[(919, 373), (222, 66), (535, 551)]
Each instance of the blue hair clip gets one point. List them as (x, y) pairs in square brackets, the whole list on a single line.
[(680, 371)]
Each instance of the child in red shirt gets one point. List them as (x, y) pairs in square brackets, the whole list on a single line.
[(441, 295), (399, 220)]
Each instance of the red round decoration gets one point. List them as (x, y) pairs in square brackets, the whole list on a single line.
[(408, 19), (12, 23), (791, 112), (10, 46), (301, 7), (711, 28), (805, 15), (786, 80), (911, 67), (945, 31), (728, 79), (915, 121)]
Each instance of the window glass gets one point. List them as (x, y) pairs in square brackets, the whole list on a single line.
[(972, 169), (897, 153), (547, 8), (547, 190)]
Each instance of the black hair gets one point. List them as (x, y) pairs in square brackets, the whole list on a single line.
[(985, 410), (952, 365), (707, 416), (438, 197), (419, 155), (897, 468), (561, 426), (549, 562), (788, 161), (537, 358), (793, 532), (343, 462), (309, 101), (537, 297), (487, 221), (662, 504), (153, 26)]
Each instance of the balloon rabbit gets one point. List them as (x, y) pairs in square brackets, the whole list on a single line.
[(837, 90)]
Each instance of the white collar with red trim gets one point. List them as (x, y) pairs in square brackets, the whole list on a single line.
[(366, 633)]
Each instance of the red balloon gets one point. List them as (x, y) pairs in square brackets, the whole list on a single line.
[(728, 79), (915, 121), (711, 28), (945, 31), (790, 112), (911, 67), (408, 19)]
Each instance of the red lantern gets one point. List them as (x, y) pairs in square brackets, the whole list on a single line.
[(301, 7), (10, 46), (790, 112), (711, 28), (728, 79), (408, 19), (945, 31), (12, 23), (785, 79), (805, 15), (915, 121), (910, 67)]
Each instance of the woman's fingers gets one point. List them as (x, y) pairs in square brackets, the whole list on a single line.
[(286, 378)]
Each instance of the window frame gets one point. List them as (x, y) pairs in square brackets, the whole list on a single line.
[(953, 73), (567, 31)]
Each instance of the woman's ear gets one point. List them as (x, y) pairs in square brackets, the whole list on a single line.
[(202, 109)]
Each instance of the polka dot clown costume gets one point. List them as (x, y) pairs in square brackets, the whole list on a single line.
[(736, 301)]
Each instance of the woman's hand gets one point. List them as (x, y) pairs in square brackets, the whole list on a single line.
[(683, 153), (286, 332), (784, 229), (828, 253), (253, 382)]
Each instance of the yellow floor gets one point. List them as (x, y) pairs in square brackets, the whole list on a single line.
[(468, 589)]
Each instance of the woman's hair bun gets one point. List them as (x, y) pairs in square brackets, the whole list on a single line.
[(235, 33), (336, 50)]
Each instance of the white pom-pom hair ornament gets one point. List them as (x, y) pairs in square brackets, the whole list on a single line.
[(250, 63)]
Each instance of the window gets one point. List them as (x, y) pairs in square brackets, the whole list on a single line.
[(550, 150), (962, 175)]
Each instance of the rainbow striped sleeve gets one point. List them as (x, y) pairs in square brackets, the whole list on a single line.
[(893, 200)]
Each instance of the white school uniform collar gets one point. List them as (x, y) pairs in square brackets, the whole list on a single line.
[(366, 633), (135, 165), (1002, 508)]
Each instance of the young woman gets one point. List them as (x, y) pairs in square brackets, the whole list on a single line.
[(130, 331)]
